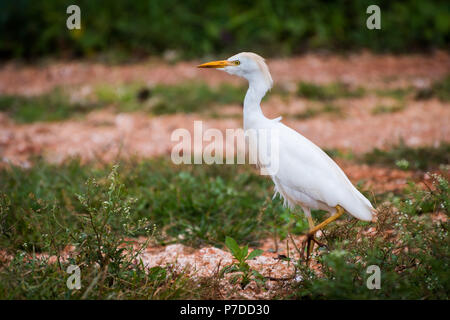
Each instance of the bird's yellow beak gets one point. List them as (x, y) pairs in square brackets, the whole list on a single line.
[(216, 64)]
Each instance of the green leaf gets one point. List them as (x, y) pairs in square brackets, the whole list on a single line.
[(233, 246), (229, 269), (258, 277), (243, 253), (254, 254), (157, 274)]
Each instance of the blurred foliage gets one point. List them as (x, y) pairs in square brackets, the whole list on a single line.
[(395, 93), (405, 157), (327, 92), (52, 106), (168, 99), (314, 111), (191, 28), (382, 108), (60, 104), (439, 89)]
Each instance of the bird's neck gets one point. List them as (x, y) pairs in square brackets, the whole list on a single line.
[(252, 103)]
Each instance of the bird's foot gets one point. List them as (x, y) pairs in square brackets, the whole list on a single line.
[(308, 244)]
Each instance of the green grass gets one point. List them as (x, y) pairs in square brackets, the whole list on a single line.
[(404, 157), (47, 207), (327, 92), (52, 106), (95, 209), (100, 251), (187, 97), (396, 93), (439, 89), (196, 205), (161, 99), (169, 99), (196, 97), (382, 109), (315, 111)]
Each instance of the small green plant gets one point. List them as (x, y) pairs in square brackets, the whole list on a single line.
[(246, 274), (101, 238), (435, 198), (402, 164)]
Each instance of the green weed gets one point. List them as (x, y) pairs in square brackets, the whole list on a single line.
[(246, 274)]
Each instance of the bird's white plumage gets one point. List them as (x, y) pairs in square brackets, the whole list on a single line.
[(306, 176)]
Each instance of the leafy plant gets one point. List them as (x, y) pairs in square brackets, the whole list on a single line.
[(107, 221), (246, 274)]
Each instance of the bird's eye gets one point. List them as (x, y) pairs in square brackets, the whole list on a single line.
[(237, 62)]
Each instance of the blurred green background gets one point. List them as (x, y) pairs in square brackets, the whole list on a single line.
[(132, 29)]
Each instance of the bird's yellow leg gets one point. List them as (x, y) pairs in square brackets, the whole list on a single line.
[(313, 229), (310, 243), (310, 222), (340, 212)]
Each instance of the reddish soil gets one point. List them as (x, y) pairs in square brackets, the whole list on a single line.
[(373, 70)]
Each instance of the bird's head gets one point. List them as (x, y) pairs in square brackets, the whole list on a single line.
[(248, 65)]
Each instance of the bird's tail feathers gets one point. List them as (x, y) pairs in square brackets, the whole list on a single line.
[(361, 208)]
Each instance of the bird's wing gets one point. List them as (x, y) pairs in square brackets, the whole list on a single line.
[(305, 167)]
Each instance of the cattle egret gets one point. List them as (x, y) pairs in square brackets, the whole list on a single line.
[(306, 176)]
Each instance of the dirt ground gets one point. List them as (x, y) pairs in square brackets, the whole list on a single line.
[(372, 70)]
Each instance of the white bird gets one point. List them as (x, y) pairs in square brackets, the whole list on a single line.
[(305, 175)]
